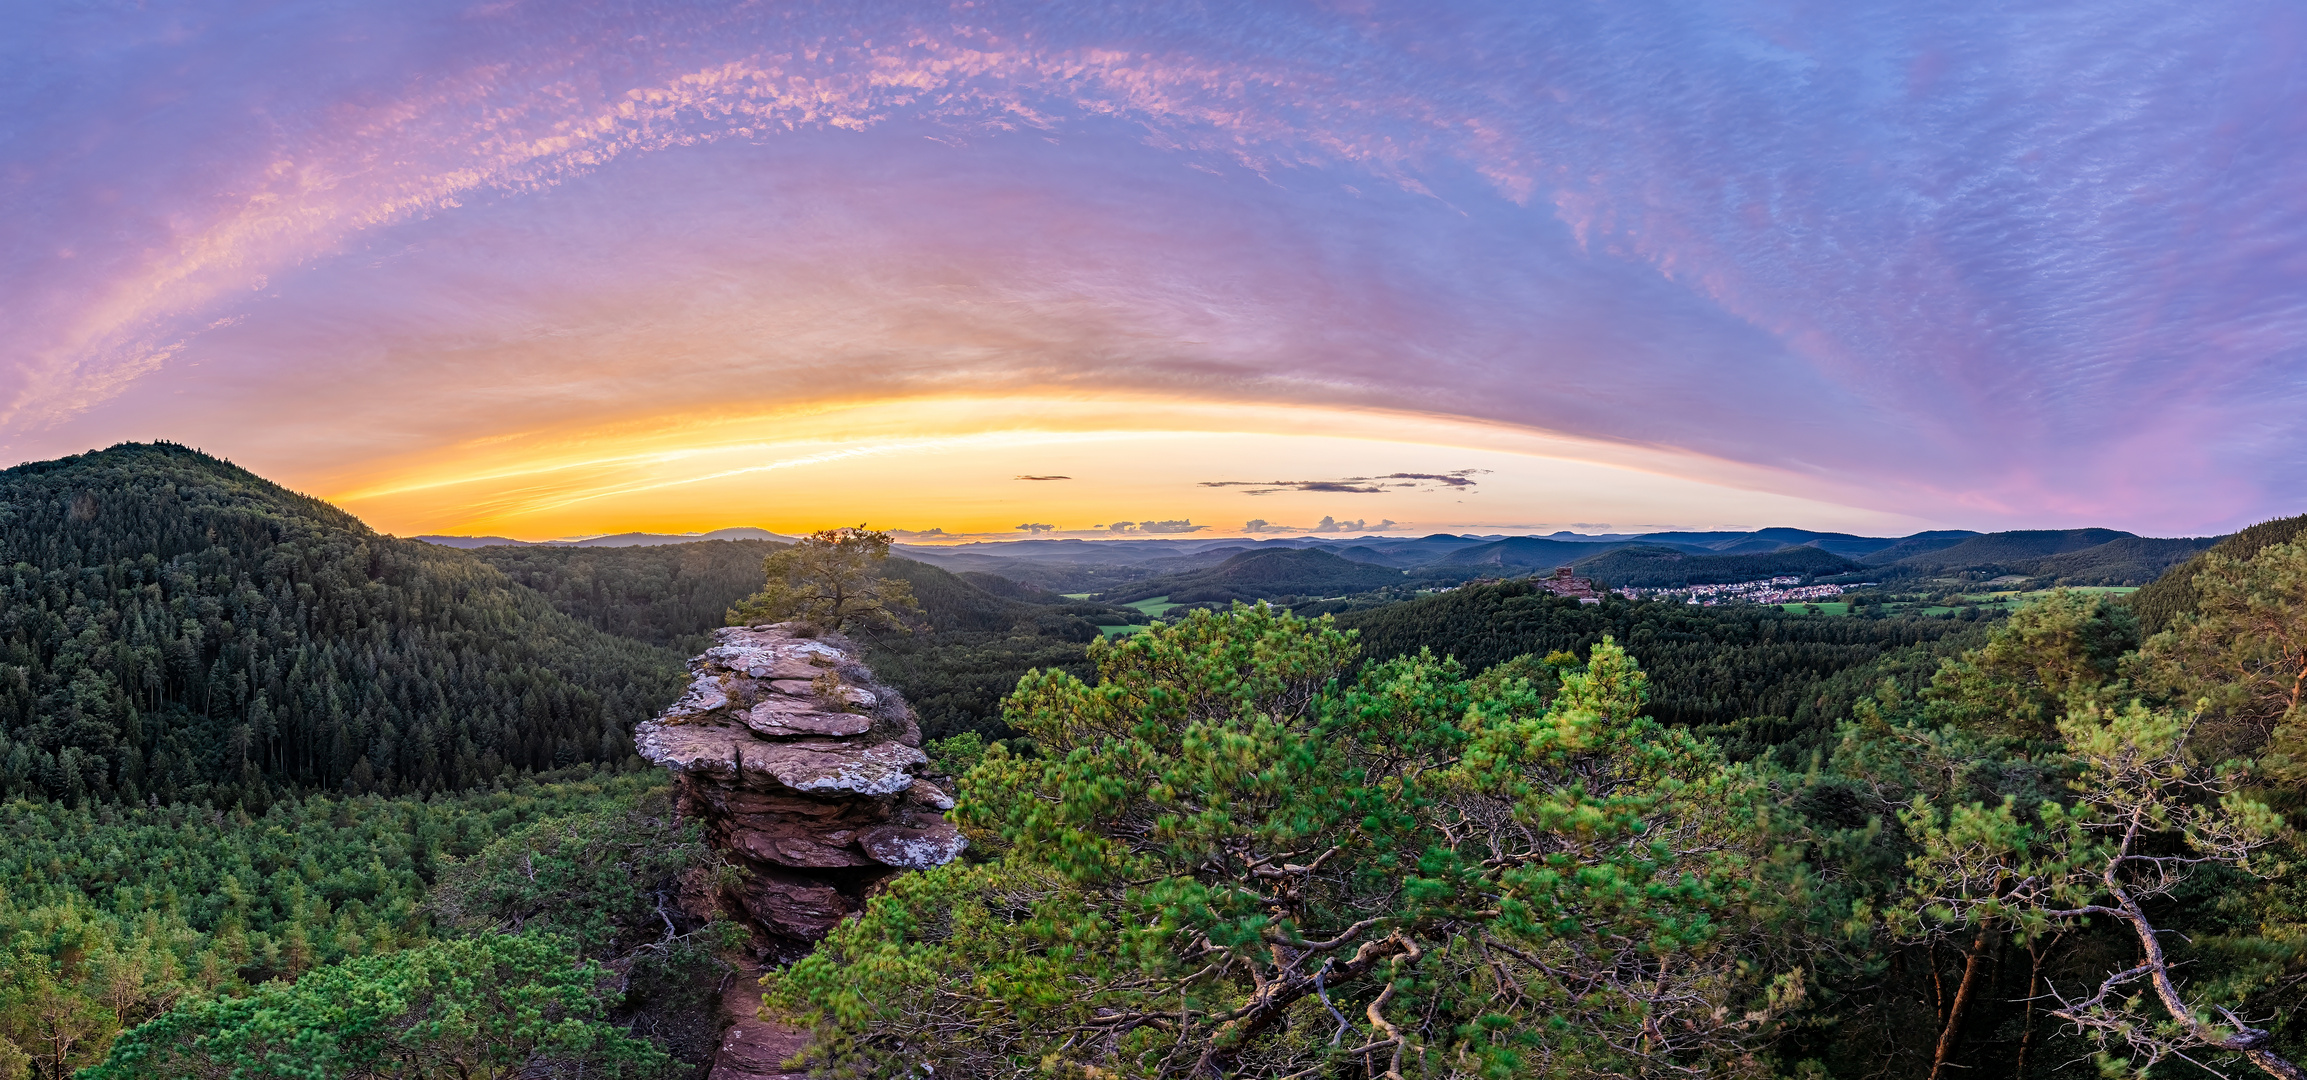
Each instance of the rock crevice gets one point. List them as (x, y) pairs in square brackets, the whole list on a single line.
[(805, 771)]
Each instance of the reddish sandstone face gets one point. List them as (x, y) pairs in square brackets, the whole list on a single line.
[(802, 768)]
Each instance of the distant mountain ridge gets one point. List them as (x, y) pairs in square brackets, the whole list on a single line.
[(1527, 553), (2011, 546), (2048, 556), (1264, 575), (1114, 567), (630, 539), (2065, 556)]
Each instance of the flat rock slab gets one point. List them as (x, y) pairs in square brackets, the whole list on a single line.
[(797, 844), (932, 845), (703, 696), (930, 795), (818, 766), (794, 906), (753, 1048), (770, 655), (789, 717), (830, 768), (710, 749)]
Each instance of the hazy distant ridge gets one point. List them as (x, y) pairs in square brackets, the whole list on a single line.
[(631, 539)]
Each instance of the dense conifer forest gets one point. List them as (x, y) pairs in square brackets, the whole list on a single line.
[(670, 595), (114, 914), (973, 636), (1650, 567), (2062, 850), (2161, 603), (1761, 679), (174, 628)]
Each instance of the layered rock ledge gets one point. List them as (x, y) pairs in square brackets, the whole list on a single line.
[(806, 773)]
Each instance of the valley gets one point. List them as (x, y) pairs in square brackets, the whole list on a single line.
[(246, 739)]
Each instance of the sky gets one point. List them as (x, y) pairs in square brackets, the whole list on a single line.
[(990, 269)]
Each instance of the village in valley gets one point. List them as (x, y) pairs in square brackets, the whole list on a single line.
[(1785, 589)]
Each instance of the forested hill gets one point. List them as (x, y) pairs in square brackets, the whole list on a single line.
[(671, 595), (1263, 575), (176, 627), (1653, 566), (2161, 603), (972, 639)]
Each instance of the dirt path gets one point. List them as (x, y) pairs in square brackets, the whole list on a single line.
[(752, 1048)]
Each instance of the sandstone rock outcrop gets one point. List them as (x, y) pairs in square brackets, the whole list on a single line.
[(805, 773)]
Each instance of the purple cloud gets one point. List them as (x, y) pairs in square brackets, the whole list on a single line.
[(1353, 485), (1173, 527)]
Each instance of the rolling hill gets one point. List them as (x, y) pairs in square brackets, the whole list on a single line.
[(2050, 556), (1653, 566), (1263, 575), (1158, 567), (1743, 669), (977, 634), (178, 628), (671, 595), (1918, 544), (675, 594), (952, 602), (617, 540), (2009, 550), (2173, 594), (2131, 560), (1527, 553)]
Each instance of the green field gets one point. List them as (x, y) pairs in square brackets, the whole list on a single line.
[(1153, 609), (2005, 600), (2009, 600)]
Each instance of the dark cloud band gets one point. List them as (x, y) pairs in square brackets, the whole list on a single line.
[(1354, 485)]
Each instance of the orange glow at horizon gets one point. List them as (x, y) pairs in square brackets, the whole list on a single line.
[(951, 463)]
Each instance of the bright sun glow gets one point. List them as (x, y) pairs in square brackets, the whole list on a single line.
[(955, 464)]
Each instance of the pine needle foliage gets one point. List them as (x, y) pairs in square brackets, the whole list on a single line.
[(173, 628), (492, 1007), (831, 579), (1227, 857)]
